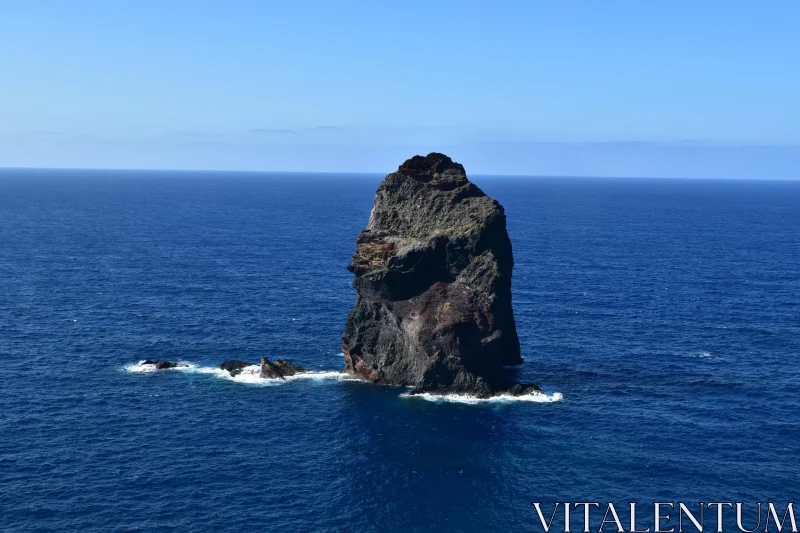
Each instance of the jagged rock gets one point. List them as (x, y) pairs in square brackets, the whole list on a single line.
[(433, 281), (235, 367), (163, 364), (279, 369)]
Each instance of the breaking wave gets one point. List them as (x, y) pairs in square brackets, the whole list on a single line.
[(252, 375), (538, 397), (249, 374)]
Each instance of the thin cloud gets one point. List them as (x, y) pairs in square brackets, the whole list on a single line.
[(326, 128), (282, 131), (190, 134)]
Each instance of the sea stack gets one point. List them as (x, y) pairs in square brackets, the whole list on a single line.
[(433, 281)]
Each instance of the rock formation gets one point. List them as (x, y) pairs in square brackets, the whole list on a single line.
[(433, 282), (162, 364), (269, 370), (235, 367), (279, 369)]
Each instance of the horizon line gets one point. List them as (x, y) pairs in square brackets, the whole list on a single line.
[(367, 173)]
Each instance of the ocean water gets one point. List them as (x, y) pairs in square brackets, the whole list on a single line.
[(662, 316)]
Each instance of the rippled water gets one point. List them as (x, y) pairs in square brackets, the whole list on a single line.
[(666, 313)]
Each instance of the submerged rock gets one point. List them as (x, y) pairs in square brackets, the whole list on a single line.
[(235, 367), (163, 364), (433, 282), (279, 369)]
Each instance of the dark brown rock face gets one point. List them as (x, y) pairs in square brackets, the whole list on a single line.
[(234, 367), (279, 369), (433, 281)]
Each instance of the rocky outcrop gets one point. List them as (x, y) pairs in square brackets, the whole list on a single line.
[(279, 369), (163, 364), (235, 367), (433, 281)]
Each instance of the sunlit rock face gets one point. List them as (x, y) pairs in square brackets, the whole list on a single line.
[(433, 281)]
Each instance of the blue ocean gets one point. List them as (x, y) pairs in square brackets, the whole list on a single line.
[(661, 317)]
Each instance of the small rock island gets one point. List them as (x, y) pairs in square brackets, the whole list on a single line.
[(269, 370), (162, 364), (433, 282)]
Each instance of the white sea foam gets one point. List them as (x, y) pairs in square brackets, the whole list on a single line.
[(252, 375), (705, 354), (329, 374), (140, 367), (249, 374), (536, 397)]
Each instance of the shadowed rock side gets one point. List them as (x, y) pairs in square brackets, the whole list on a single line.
[(433, 282), (279, 369), (235, 367), (269, 370)]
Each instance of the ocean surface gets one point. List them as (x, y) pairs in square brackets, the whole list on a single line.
[(666, 313)]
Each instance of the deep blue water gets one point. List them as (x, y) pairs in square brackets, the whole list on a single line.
[(667, 312)]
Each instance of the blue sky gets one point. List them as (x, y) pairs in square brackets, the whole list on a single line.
[(691, 89)]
